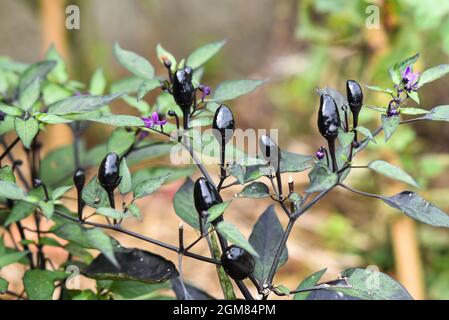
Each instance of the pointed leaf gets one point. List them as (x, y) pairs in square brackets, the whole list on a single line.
[(433, 74), (134, 63), (308, 282), (149, 186), (321, 178), (233, 235), (389, 124), (184, 204), (393, 172), (80, 104), (201, 55), (26, 130), (232, 89), (255, 190)]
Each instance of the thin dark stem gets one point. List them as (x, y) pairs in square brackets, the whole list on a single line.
[(361, 192), (9, 148), (331, 144)]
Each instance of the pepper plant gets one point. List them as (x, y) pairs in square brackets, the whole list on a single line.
[(39, 95)]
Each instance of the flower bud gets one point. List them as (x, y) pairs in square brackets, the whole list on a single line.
[(237, 262), (270, 151), (205, 195), (223, 124), (328, 117), (109, 172)]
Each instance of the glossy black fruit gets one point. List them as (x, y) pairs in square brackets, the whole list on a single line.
[(270, 151), (237, 262), (223, 124), (355, 99), (328, 117), (183, 91), (109, 172), (205, 195), (79, 178)]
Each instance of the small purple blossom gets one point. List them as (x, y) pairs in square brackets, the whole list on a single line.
[(320, 153), (205, 91), (154, 120), (393, 112), (410, 79)]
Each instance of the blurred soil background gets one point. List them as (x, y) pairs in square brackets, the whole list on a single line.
[(299, 45)]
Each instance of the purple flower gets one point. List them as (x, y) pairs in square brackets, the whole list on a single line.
[(393, 112), (320, 153), (205, 91), (410, 79), (154, 120)]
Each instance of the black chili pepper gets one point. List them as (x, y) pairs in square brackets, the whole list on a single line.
[(205, 196), (109, 176), (79, 178), (184, 92), (237, 262), (224, 126), (355, 100), (328, 124)]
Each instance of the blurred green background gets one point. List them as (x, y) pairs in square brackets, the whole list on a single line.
[(299, 45)]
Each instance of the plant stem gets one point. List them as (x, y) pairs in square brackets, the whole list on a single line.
[(9, 148)]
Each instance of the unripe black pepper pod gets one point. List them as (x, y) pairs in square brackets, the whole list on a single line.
[(328, 117), (237, 262), (79, 178), (182, 89), (355, 99), (223, 124), (270, 151), (109, 172), (205, 195)]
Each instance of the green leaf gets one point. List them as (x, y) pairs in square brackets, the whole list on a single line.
[(134, 63), (225, 282), (389, 124), (52, 93), (184, 204), (3, 285), (414, 206), (396, 71), (141, 105), (135, 211), (321, 178), (111, 213), (47, 207), (26, 130), (11, 110), (380, 89), (97, 85), (35, 71), (51, 118), (433, 74), (293, 162), (157, 171), (440, 113), (232, 89), (58, 166), (308, 282), (94, 195), (265, 239), (6, 174), (254, 190), (217, 210), (283, 289), (10, 258), (133, 264), (126, 85), (366, 132), (135, 290), (201, 55), (146, 87), (392, 172), (80, 104), (125, 185), (59, 192), (149, 186), (163, 54), (413, 111), (371, 285), (11, 191), (119, 120), (20, 210), (30, 95), (40, 284), (345, 138), (59, 72), (233, 235), (120, 141), (90, 238), (414, 96)]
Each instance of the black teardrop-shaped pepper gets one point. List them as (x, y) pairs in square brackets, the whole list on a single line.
[(205, 195), (223, 124), (183, 91), (270, 151), (355, 100), (109, 172), (79, 178), (237, 262), (328, 124)]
